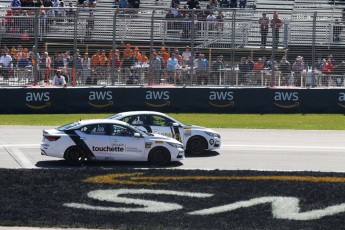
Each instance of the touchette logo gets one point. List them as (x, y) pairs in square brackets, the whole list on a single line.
[(286, 100), (101, 99), (221, 99), (160, 98), (37, 100), (341, 100)]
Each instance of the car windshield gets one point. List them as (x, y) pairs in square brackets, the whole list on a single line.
[(68, 126), (139, 131)]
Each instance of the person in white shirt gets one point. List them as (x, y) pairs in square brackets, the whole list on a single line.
[(5, 63), (59, 80), (85, 63), (186, 56)]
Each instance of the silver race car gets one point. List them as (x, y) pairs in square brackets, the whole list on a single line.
[(109, 140), (195, 139)]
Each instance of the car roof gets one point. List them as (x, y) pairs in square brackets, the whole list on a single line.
[(129, 113), (97, 121), (140, 112)]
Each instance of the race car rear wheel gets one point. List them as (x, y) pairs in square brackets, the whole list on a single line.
[(196, 145), (159, 156), (74, 156)]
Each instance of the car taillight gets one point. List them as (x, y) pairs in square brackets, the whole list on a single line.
[(52, 138)]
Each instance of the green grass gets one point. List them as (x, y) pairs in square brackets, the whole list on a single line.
[(246, 121)]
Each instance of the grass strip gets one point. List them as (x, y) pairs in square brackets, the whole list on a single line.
[(242, 121)]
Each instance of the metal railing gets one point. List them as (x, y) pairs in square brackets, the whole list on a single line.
[(234, 35)]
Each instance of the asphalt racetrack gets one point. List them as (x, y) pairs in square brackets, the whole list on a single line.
[(259, 179), (242, 149)]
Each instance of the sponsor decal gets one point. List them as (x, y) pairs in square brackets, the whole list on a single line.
[(286, 99), (221, 99), (100, 99), (148, 145), (286, 208), (108, 149), (341, 100), (37, 100), (157, 99)]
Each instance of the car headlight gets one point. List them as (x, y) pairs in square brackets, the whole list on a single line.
[(212, 134), (175, 145)]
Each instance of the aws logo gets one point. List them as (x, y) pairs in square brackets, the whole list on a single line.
[(341, 100), (221, 99), (100, 99), (37, 100), (157, 99), (286, 100)]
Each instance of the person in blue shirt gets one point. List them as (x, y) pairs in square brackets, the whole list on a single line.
[(172, 67)]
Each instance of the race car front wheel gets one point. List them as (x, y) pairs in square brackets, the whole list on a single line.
[(74, 156), (159, 156), (196, 145)]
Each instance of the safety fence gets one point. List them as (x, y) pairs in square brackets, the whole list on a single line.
[(226, 47)]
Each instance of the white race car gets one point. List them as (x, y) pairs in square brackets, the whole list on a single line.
[(109, 140), (195, 139)]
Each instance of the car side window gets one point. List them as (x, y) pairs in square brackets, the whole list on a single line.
[(121, 131), (161, 121), (96, 129)]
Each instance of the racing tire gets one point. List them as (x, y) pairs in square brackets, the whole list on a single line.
[(159, 156), (74, 156), (196, 145)]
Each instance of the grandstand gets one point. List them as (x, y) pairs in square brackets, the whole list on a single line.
[(239, 29)]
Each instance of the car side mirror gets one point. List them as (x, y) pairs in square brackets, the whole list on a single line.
[(137, 135), (176, 124)]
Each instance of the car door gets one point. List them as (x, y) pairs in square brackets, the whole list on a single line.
[(96, 137), (164, 126), (123, 144)]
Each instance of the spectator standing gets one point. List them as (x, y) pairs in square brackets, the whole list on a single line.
[(86, 64), (200, 70), (216, 70), (95, 61), (276, 24), (244, 69), (156, 68), (257, 68), (127, 52), (103, 63), (328, 71), (178, 57), (187, 56), (285, 70), (6, 61), (58, 79), (172, 66), (90, 24), (263, 21), (298, 68), (117, 65)]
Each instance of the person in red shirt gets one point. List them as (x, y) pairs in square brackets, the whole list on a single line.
[(258, 66), (117, 66), (327, 69)]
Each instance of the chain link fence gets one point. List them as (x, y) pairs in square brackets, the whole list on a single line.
[(165, 46)]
